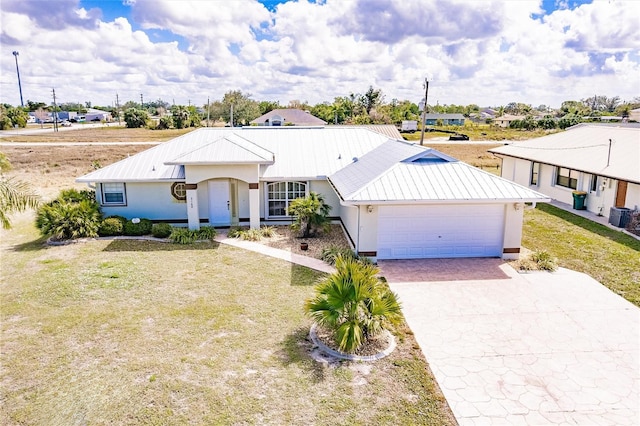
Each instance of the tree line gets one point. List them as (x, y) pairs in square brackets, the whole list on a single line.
[(237, 109)]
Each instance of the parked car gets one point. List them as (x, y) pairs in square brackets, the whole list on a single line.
[(66, 123), (458, 137)]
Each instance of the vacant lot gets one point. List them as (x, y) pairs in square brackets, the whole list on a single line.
[(100, 135), (122, 332)]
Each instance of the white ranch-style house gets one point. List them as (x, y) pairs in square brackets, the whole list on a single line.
[(395, 200), (601, 161)]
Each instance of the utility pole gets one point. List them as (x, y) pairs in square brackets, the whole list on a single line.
[(208, 111), (15, 54), (424, 110), (55, 111), (141, 102), (118, 108), (231, 115)]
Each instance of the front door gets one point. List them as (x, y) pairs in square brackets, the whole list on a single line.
[(219, 203)]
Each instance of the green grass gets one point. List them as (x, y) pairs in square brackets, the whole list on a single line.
[(609, 256), (127, 332), (481, 132)]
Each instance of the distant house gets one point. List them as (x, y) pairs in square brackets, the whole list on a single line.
[(634, 115), (601, 160), (288, 117), (394, 199), (506, 119), (444, 119), (97, 115)]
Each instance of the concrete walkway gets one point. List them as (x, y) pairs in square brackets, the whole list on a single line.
[(529, 349)]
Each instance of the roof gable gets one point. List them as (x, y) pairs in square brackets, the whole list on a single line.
[(228, 149)]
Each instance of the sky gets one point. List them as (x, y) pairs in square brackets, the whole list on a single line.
[(489, 53)]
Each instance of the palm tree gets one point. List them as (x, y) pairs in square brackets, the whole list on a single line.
[(354, 303), (15, 196), (311, 213)]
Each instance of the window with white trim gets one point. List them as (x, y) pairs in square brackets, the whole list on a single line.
[(114, 194), (280, 194), (593, 187), (535, 171), (567, 178)]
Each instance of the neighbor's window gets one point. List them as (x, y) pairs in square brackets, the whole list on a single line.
[(114, 194), (535, 171), (179, 191), (567, 178), (280, 194), (594, 183)]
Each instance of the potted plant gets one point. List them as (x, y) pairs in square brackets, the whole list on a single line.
[(304, 246)]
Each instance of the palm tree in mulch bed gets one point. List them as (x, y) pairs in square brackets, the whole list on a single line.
[(354, 304)]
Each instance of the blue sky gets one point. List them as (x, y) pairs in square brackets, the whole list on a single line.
[(487, 52)]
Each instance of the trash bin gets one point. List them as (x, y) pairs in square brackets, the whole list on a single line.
[(619, 216), (578, 200)]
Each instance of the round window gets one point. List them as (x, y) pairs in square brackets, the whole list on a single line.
[(179, 191)]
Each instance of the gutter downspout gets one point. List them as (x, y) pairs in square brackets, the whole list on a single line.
[(358, 236)]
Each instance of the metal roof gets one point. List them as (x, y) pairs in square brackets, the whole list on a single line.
[(611, 151), (297, 152), (294, 116), (388, 130), (228, 149), (398, 172)]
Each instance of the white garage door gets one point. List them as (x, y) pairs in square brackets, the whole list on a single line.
[(420, 231)]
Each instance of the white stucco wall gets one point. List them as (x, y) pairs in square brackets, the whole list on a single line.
[(148, 200), (330, 197), (244, 172), (513, 217), (598, 202)]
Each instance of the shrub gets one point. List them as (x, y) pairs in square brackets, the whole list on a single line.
[(354, 304), (68, 220), (251, 235), (235, 232), (330, 254), (111, 226), (206, 233), (544, 260), (136, 229), (161, 230), (182, 236), (268, 231), (75, 196)]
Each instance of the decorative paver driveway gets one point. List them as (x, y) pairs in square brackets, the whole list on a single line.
[(529, 349)]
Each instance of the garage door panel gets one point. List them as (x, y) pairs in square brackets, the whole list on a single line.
[(407, 232)]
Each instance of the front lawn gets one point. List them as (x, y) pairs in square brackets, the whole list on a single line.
[(127, 332), (609, 256)]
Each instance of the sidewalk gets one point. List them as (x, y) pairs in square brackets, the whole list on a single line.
[(298, 259)]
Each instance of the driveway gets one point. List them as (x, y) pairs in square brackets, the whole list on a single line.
[(531, 349)]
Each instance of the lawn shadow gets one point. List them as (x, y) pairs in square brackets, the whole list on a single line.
[(305, 277), (591, 226), (35, 245), (150, 246), (296, 349)]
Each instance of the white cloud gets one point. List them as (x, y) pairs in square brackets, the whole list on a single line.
[(484, 52)]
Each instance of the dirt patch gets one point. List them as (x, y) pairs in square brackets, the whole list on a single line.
[(287, 239)]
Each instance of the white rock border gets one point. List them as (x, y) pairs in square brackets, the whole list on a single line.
[(341, 355)]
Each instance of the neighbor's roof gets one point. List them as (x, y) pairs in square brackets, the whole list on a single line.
[(585, 147), (284, 152), (294, 116), (388, 130), (399, 172), (455, 116)]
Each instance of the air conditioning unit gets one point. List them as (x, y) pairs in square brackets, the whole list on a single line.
[(619, 216)]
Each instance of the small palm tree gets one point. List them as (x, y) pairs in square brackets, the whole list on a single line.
[(311, 213), (15, 195), (354, 303)]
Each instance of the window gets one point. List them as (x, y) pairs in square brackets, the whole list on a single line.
[(567, 178), (594, 183), (280, 194), (535, 170), (179, 191), (114, 194)]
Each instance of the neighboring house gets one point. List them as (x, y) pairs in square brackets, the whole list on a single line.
[(445, 119), (601, 160), (506, 119), (288, 117), (67, 115), (634, 115), (394, 199)]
